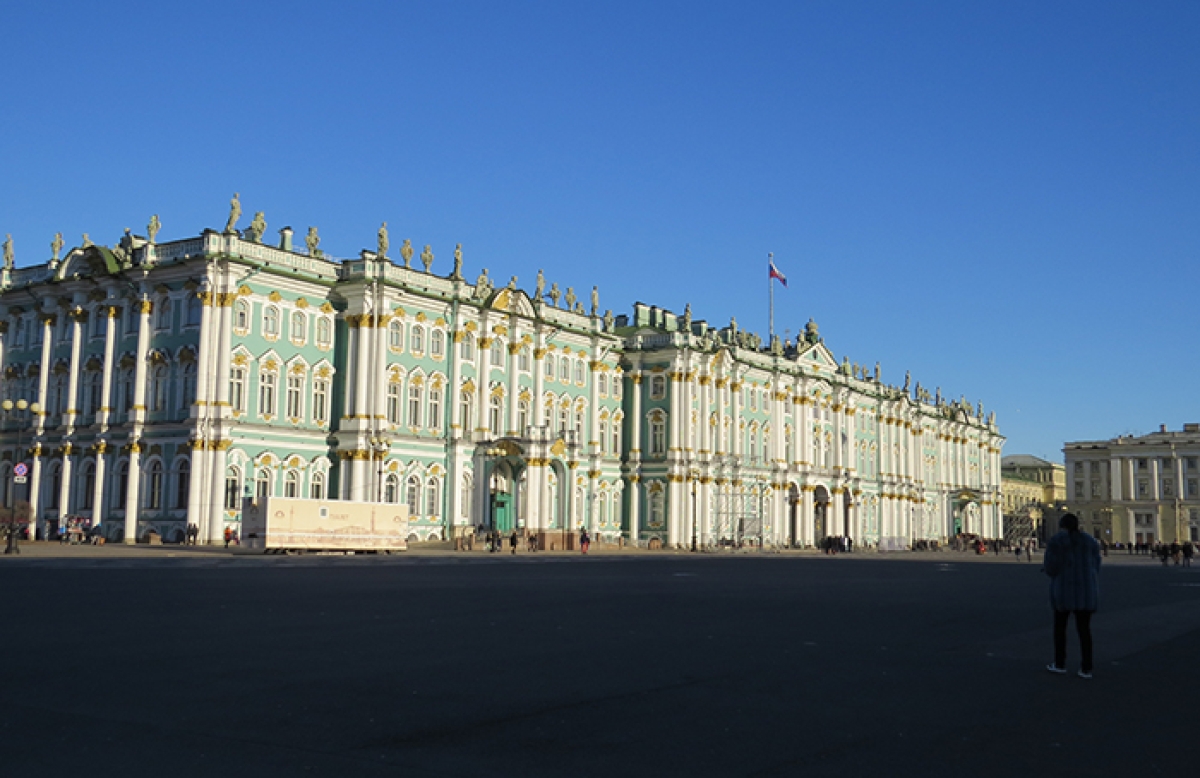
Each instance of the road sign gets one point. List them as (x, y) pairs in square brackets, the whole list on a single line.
[(20, 479), (21, 469)]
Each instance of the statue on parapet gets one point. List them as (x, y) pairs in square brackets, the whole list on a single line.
[(87, 242), (56, 247), (555, 295), (539, 289), (907, 381), (483, 285), (153, 227), (595, 300), (8, 252), (235, 213), (312, 240), (427, 257), (687, 318), (456, 273), (382, 244), (570, 298), (406, 252), (257, 228), (608, 320)]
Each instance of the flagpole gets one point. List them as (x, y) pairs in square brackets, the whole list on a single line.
[(771, 298)]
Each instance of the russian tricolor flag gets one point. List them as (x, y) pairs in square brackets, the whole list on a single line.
[(774, 272)]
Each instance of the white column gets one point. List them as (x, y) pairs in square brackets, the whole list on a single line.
[(73, 380), (216, 491), (219, 409), (98, 491), (44, 372), (198, 469), (139, 378), (35, 485), (206, 372), (360, 329), (64, 484), (514, 387), (131, 492), (483, 374), (106, 385)]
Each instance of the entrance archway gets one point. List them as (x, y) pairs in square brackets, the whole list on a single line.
[(821, 502)]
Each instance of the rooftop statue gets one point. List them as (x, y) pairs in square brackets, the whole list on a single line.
[(555, 295), (512, 284), (878, 372), (313, 240), (483, 285), (733, 324), (595, 300), (456, 274), (810, 332), (540, 287), (570, 298), (56, 247), (406, 252), (427, 257), (87, 242), (939, 395), (382, 243), (608, 320), (907, 380), (153, 227), (687, 318), (235, 213), (8, 252), (258, 226), (845, 365)]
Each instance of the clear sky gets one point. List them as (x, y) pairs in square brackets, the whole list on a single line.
[(1000, 197)]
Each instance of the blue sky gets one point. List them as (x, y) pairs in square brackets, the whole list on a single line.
[(1000, 197)]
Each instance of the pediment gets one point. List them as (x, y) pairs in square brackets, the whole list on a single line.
[(511, 301), (90, 261), (817, 356)]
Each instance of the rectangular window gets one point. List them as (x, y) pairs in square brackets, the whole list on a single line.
[(320, 402), (237, 389), (295, 393), (266, 393), (414, 405)]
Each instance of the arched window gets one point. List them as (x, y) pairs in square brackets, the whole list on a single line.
[(183, 482), (154, 492), (271, 321), (95, 380), (466, 349), (295, 396), (465, 416), (414, 404), (291, 484), (55, 484), (237, 388), (497, 353), (267, 381), (299, 331), (658, 435), (391, 488), (616, 438), (187, 393), (88, 486), (431, 498), (192, 315), (522, 416), (437, 344), (496, 415), (395, 335), (658, 387), (262, 484), (241, 315), (122, 483), (233, 490), (324, 332), (618, 387), (579, 425), (657, 508), (413, 495), (564, 370), (163, 319), (548, 370), (435, 408), (603, 384), (603, 436), (523, 359), (316, 486), (158, 388), (416, 342), (393, 403), (579, 371), (564, 419), (464, 496)]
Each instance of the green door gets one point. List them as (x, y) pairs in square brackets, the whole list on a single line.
[(502, 512)]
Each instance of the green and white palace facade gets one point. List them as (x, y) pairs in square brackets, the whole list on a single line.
[(178, 381)]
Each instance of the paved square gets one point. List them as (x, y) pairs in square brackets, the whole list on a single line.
[(650, 665)]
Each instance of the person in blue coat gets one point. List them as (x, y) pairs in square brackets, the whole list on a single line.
[(1072, 561)]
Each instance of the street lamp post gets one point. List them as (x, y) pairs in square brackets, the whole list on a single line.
[(8, 405), (380, 446)]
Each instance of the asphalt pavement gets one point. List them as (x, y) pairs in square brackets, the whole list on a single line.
[(160, 661)]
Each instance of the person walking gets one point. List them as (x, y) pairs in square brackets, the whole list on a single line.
[(585, 540), (512, 542), (1072, 561)]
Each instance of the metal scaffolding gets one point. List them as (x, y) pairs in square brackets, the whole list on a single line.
[(738, 506)]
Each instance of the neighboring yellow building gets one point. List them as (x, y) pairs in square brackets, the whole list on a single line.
[(1033, 494)]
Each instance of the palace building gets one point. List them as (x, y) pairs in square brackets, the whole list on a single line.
[(179, 380)]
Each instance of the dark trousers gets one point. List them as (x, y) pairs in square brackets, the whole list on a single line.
[(1083, 625)]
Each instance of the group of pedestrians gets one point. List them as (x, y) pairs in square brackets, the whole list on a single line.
[(837, 544), (1179, 553)]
